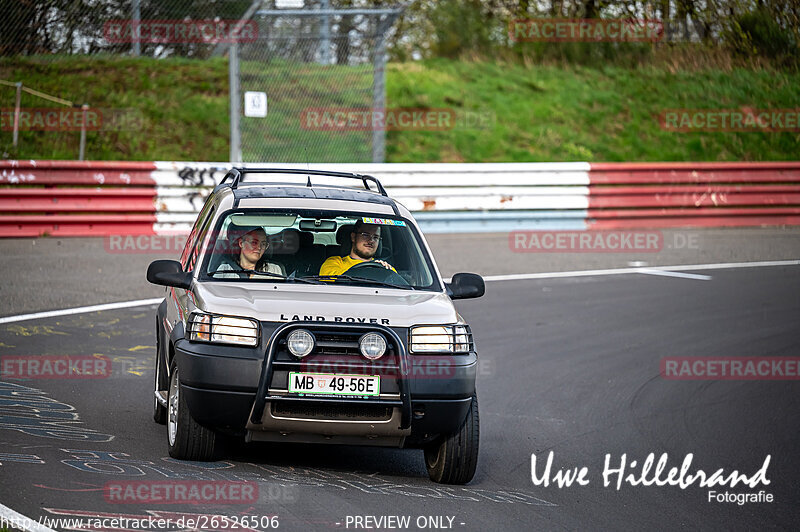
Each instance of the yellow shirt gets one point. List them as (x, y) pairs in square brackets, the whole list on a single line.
[(338, 265)]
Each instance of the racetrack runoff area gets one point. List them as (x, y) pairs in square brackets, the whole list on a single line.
[(570, 355)]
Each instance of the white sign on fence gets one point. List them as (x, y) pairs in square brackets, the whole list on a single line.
[(255, 104)]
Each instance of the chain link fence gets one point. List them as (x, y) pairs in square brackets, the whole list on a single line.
[(92, 27), (302, 56), (307, 66)]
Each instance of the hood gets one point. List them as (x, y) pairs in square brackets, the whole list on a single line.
[(278, 302)]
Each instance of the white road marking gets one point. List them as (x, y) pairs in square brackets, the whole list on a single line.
[(17, 520), (665, 273), (624, 271), (81, 310)]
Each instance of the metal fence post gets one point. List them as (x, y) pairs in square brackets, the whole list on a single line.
[(233, 82), (379, 95), (16, 113), (326, 34), (137, 16), (82, 152)]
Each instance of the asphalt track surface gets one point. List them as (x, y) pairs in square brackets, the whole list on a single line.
[(568, 365)]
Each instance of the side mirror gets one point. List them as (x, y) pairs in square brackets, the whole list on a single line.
[(169, 273), (466, 286)]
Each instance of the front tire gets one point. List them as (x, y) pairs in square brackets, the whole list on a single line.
[(187, 439), (454, 458)]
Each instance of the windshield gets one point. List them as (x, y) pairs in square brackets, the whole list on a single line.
[(321, 248)]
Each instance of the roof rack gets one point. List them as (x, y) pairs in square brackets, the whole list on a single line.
[(236, 175)]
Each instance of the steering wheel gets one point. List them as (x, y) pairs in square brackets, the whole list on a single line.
[(375, 271)]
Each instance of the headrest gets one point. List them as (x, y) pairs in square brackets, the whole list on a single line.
[(306, 239), (287, 242), (343, 236)]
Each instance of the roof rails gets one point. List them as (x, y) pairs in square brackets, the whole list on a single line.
[(236, 175)]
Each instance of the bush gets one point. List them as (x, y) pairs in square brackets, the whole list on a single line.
[(462, 28), (757, 33)]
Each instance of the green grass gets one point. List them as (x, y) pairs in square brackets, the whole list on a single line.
[(585, 114), (182, 104), (539, 113)]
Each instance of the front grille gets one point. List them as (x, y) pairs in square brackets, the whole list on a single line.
[(347, 412), (335, 342)]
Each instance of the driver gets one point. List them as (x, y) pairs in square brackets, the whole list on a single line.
[(365, 239)]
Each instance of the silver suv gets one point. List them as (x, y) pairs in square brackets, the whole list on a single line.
[(303, 311)]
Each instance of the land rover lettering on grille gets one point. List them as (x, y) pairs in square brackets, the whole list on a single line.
[(335, 319)]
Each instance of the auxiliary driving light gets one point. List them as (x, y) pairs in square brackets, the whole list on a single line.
[(372, 346), (300, 342)]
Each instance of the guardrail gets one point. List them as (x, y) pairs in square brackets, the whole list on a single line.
[(70, 198), (694, 194)]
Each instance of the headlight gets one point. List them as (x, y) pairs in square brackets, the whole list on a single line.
[(461, 339), (300, 342), (372, 346), (440, 339), (223, 329)]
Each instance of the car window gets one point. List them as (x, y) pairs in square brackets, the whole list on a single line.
[(191, 241), (201, 236), (300, 242)]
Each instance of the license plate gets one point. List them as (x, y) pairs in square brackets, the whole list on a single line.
[(332, 384)]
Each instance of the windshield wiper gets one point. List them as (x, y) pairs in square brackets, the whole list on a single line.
[(268, 274), (357, 280)]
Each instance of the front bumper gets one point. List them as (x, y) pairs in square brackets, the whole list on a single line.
[(234, 389)]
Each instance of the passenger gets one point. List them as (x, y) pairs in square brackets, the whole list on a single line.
[(365, 239), (251, 246)]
